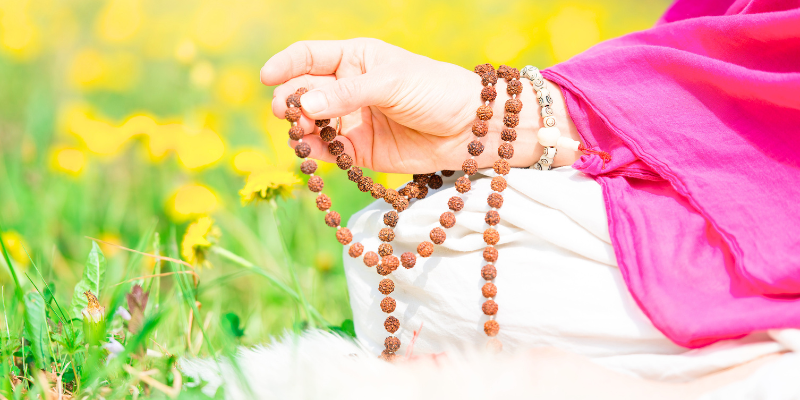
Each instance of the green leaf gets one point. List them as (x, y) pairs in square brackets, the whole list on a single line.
[(232, 326), (92, 280), (36, 329)]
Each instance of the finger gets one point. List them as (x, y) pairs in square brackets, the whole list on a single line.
[(346, 95), (280, 94), (315, 57)]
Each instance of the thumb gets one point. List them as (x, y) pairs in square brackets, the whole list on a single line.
[(344, 96)]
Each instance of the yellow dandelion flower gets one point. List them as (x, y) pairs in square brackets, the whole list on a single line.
[(199, 237), (268, 183)]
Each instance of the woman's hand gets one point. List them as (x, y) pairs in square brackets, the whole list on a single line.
[(401, 112)]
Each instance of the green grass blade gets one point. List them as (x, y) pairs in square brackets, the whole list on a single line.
[(17, 286), (93, 277), (36, 329)]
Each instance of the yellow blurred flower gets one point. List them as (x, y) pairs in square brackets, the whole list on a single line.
[(15, 245), (19, 34), (202, 74), (91, 69), (199, 149), (119, 20), (185, 51), (268, 183), (199, 237), (248, 161), (70, 160), (237, 85), (216, 23), (194, 199)]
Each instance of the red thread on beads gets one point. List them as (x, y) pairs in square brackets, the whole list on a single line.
[(602, 154)]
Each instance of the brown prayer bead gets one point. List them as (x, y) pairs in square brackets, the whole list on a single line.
[(489, 307), (344, 236), (344, 161), (463, 184), (495, 200), (308, 167), (513, 106), (447, 173), (385, 249), (327, 134), (293, 100), (301, 91), (333, 219), (392, 344), (388, 304), (491, 236), (423, 191), (508, 135), (390, 261), (356, 249), (492, 218), (455, 203), (391, 196), (489, 93), (435, 182), (315, 183), (470, 166), (391, 218), (391, 324), (354, 174), (512, 73), (475, 148), (401, 204), (292, 114), (383, 270), (437, 235), (490, 254), (491, 328), (502, 167), (484, 113), (386, 286), (499, 184), (336, 147), (412, 190), (479, 129), (511, 120), (489, 272), (489, 77), (408, 259), (388, 356), (302, 150), (323, 202), (501, 71), (483, 68), (378, 191), (447, 219), (371, 259), (506, 151), (489, 290), (321, 123), (365, 184), (514, 87), (420, 179), (425, 249)]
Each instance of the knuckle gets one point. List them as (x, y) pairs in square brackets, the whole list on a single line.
[(346, 90)]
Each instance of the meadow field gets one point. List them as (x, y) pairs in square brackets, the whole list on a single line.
[(128, 132)]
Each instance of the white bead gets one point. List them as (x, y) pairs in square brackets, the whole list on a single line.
[(548, 137), (568, 144), (544, 92)]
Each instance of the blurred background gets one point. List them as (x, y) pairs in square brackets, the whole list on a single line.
[(119, 117)]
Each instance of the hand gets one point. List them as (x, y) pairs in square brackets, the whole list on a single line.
[(401, 112)]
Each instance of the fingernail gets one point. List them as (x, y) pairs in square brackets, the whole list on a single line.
[(314, 101)]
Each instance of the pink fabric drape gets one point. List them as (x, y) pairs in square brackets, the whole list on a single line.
[(701, 114)]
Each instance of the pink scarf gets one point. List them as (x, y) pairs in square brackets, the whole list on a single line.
[(701, 114)]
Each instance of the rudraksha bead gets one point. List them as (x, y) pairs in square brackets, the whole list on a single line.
[(483, 68), (435, 182), (455, 203), (400, 204), (391, 218), (412, 190), (489, 290), (388, 356), (343, 235), (344, 161), (292, 114), (378, 191), (488, 77), (511, 120), (508, 135), (385, 249), (463, 184), (501, 71), (502, 167), (321, 123), (301, 91), (383, 269), (495, 200), (489, 272), (425, 249), (514, 87), (356, 249), (327, 134), (365, 184), (492, 218), (323, 202), (390, 261), (408, 259), (470, 166), (391, 196), (392, 344), (423, 191), (490, 254), (315, 183), (512, 73), (494, 346), (333, 219), (420, 179), (293, 100), (308, 167), (386, 286), (336, 147), (488, 93), (437, 235), (499, 184), (447, 219), (475, 148), (505, 151), (491, 236), (491, 328), (403, 192), (302, 150), (354, 174), (484, 113), (447, 173), (371, 259), (513, 106), (388, 304), (479, 129), (391, 324), (489, 307)]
